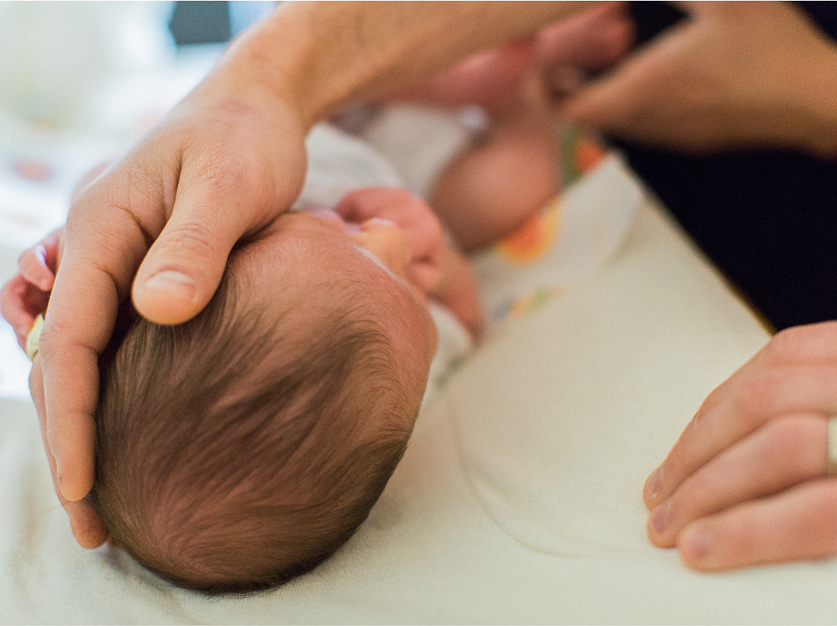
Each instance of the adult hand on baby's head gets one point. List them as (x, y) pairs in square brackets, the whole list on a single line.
[(736, 74), (223, 164), (746, 482)]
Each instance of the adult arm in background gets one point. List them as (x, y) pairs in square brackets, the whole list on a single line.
[(158, 225), (746, 482)]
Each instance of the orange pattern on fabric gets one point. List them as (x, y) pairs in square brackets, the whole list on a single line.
[(588, 154), (535, 238)]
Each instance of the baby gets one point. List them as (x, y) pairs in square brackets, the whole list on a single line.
[(242, 448)]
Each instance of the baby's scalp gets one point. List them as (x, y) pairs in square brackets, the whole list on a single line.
[(244, 447)]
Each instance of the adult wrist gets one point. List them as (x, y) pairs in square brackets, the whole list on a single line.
[(269, 61), (322, 56)]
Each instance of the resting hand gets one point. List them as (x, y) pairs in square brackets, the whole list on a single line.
[(223, 164), (736, 74), (746, 482)]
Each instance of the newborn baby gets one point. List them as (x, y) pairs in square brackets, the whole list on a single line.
[(244, 447)]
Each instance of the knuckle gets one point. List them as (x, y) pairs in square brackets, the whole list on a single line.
[(706, 407), (46, 343), (791, 343), (234, 175), (190, 237), (758, 393), (784, 345)]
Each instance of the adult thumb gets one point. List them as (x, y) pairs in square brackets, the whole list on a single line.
[(184, 266)]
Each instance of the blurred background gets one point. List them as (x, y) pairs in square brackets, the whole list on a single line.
[(79, 83)]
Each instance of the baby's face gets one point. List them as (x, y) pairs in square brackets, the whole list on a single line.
[(383, 238)]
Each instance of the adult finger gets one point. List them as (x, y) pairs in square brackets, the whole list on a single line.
[(797, 524), (796, 371), (803, 345), (591, 41), (221, 197), (777, 456), (764, 394), (624, 101), (88, 529), (104, 245)]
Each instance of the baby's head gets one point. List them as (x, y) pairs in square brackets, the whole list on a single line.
[(244, 447)]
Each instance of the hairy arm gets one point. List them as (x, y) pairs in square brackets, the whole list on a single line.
[(333, 54)]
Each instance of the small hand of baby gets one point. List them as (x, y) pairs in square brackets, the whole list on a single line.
[(412, 216), (746, 482), (26, 295), (433, 267)]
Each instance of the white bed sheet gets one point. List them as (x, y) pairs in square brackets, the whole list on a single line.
[(518, 500)]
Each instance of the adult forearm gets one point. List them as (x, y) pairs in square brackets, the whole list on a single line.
[(816, 98), (327, 55)]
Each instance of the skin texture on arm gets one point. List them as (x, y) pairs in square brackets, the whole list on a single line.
[(736, 74), (370, 50), (223, 164)]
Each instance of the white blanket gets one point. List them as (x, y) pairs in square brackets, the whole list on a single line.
[(517, 501)]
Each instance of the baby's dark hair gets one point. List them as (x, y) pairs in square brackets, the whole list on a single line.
[(235, 452)]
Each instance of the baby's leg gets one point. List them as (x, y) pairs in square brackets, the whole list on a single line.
[(490, 190)]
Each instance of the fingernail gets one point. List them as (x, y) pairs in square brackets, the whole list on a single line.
[(695, 544), (62, 487), (174, 283), (60, 480), (652, 485), (659, 518)]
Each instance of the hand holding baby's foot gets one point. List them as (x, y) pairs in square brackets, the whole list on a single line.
[(571, 50)]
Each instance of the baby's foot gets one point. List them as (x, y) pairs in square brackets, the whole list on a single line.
[(573, 49)]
